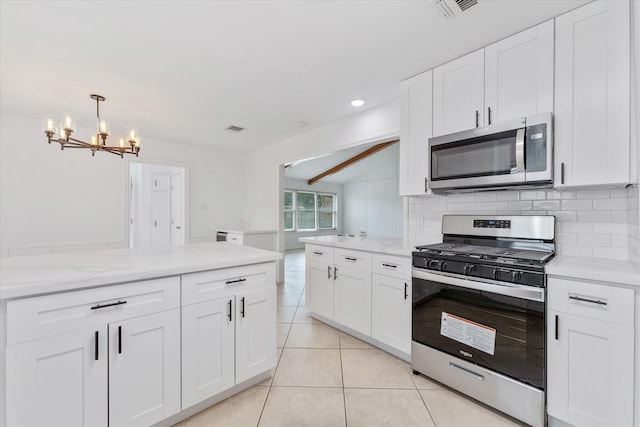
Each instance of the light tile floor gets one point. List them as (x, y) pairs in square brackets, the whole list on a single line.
[(327, 378)]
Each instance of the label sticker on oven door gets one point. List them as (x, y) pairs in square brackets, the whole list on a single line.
[(467, 332)]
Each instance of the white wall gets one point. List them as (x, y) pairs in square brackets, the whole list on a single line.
[(372, 201), (291, 237), (263, 170), (52, 200)]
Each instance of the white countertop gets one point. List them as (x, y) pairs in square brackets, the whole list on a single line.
[(368, 244), (598, 269), (39, 274), (247, 232)]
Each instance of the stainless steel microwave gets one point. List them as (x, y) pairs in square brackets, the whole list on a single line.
[(515, 153)]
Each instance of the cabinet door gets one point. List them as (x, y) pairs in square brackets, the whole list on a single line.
[(208, 349), (391, 311), (58, 381), (592, 95), (458, 94), (255, 333), (352, 302), (590, 366), (144, 369), (319, 287), (415, 131), (519, 75)]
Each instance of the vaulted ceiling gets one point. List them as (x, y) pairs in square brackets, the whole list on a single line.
[(185, 70)]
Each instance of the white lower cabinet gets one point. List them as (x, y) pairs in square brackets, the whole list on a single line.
[(364, 292), (228, 329), (255, 333), (590, 353), (208, 333), (59, 381), (144, 369), (391, 311), (353, 298)]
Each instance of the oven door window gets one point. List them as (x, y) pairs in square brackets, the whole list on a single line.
[(516, 326), (482, 156)]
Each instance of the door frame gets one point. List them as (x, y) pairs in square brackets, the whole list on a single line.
[(186, 196)]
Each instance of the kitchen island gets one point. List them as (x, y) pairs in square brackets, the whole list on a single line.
[(362, 286), (133, 336)]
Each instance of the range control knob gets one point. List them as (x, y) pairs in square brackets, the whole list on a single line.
[(468, 268), (516, 276), (495, 274)]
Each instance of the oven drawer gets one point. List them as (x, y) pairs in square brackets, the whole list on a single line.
[(391, 265), (360, 261), (602, 302)]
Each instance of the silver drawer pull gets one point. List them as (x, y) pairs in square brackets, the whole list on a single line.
[(350, 258), (466, 371), (389, 265), (99, 306), (592, 301), (228, 282), (317, 253)]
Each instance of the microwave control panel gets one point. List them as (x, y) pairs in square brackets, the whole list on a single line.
[(536, 148)]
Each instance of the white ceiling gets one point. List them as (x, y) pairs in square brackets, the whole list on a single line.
[(307, 169), (185, 70)]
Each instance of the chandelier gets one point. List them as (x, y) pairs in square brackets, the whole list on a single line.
[(98, 142)]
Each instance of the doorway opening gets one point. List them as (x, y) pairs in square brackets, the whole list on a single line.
[(156, 205)]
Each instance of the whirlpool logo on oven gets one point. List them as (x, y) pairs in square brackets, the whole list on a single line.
[(465, 353)]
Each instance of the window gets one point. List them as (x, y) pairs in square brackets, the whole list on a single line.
[(289, 210), (308, 210)]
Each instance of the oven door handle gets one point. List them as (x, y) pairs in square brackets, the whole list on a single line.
[(531, 293)]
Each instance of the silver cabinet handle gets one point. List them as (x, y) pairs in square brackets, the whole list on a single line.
[(317, 253), (426, 184), (489, 115), (520, 150), (328, 272), (335, 273), (389, 265), (562, 173), (477, 118), (350, 258), (592, 301)]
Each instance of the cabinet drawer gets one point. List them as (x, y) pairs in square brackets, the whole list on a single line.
[(602, 302), (47, 315), (214, 284), (391, 265), (238, 239), (319, 253), (360, 261)]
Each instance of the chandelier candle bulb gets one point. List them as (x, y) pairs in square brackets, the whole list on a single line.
[(68, 123), (103, 129), (132, 135), (50, 125), (121, 142), (94, 139)]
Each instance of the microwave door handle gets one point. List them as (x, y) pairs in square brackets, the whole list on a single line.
[(520, 150)]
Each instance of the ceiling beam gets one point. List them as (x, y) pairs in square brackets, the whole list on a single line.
[(352, 160)]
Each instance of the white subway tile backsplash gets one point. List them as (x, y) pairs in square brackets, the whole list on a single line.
[(546, 205), (609, 204), (610, 228), (577, 227), (574, 250), (533, 195), (525, 205), (507, 195), (577, 205), (590, 222), (594, 194), (594, 216), (594, 239)]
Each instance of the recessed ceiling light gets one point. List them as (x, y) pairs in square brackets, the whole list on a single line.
[(357, 102)]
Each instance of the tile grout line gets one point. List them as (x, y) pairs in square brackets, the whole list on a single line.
[(344, 396)]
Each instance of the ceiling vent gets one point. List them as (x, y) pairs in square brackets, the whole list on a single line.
[(233, 128), (450, 8)]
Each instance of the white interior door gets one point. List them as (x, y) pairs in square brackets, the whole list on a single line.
[(157, 205), (160, 209), (177, 207)]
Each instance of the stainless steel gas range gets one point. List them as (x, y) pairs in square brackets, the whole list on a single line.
[(478, 316)]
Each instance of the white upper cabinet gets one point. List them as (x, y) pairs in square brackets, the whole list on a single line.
[(592, 95), (519, 75), (458, 94), (415, 131), (508, 79)]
